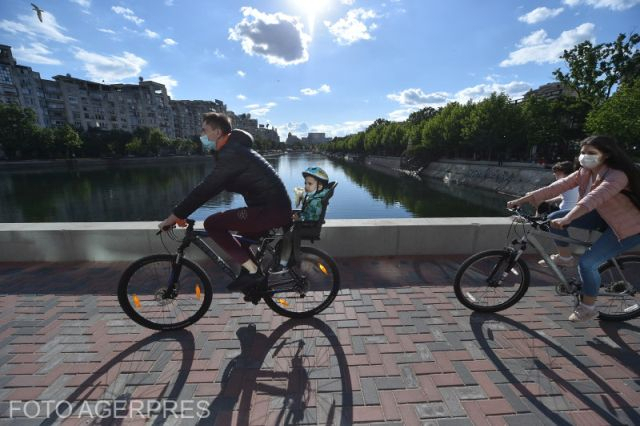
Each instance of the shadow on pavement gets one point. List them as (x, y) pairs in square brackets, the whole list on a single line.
[(481, 323), (278, 366)]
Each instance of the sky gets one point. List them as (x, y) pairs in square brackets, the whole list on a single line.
[(302, 66)]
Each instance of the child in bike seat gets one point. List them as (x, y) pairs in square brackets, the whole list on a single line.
[(316, 188)]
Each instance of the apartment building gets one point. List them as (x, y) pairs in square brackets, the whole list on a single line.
[(86, 104)]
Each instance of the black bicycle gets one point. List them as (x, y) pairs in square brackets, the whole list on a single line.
[(169, 291)]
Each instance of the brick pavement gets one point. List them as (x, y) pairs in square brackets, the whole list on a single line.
[(395, 348)]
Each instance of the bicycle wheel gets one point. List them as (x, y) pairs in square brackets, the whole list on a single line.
[(307, 289), (489, 281), (619, 297), (143, 295)]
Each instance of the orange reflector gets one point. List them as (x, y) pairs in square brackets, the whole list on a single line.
[(283, 302), (323, 269), (197, 291), (136, 301)]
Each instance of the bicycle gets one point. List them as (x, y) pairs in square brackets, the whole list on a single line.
[(169, 291), (494, 280)]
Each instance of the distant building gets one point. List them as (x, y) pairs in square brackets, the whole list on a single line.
[(551, 91), (316, 138), (292, 139), (86, 104)]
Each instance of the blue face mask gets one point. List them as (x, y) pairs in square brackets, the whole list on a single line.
[(206, 143)]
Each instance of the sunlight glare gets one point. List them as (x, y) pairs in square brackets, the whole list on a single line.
[(312, 9)]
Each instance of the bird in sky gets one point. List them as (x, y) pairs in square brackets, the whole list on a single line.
[(38, 11)]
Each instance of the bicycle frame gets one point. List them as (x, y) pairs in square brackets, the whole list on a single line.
[(530, 237)]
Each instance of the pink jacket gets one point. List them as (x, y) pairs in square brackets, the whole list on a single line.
[(604, 196)]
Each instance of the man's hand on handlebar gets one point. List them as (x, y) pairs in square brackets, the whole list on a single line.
[(170, 222), (560, 223)]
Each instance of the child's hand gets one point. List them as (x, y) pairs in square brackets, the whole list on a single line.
[(295, 216)]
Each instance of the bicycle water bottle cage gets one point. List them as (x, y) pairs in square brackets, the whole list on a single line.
[(310, 230)]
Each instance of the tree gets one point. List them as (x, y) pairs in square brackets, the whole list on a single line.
[(18, 128), (618, 116), (595, 70), (66, 141)]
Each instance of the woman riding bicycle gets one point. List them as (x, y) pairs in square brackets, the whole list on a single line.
[(607, 181)]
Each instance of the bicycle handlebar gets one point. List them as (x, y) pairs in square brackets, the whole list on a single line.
[(536, 221)]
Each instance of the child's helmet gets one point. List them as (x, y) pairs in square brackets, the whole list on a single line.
[(317, 173)]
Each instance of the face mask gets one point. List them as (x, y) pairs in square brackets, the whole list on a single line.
[(589, 161), (206, 143)]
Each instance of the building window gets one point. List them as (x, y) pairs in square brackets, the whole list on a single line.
[(5, 75)]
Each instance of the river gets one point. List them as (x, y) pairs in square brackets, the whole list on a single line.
[(147, 192)]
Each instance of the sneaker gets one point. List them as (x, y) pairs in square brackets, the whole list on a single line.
[(278, 270), (560, 261), (245, 281), (582, 313)]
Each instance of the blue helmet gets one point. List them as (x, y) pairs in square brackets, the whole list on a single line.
[(317, 173)]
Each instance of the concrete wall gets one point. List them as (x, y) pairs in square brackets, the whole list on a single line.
[(510, 178), (125, 241)]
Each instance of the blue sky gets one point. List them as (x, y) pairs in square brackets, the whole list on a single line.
[(331, 66)]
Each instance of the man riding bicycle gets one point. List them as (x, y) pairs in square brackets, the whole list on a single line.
[(239, 169)]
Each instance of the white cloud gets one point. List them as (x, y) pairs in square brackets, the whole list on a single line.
[(241, 73), (241, 97), (279, 38), (168, 81), (151, 34), (348, 2), (30, 26), (540, 14), (168, 2), (293, 98), (352, 28), (168, 42), (330, 130), (513, 89), (218, 54), (325, 88), (110, 69), (415, 99), (38, 53), (259, 110), (418, 97), (107, 31), (539, 48), (617, 5), (83, 3), (127, 14)]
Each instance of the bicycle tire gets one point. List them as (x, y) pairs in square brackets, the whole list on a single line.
[(313, 263), (627, 305), (496, 263), (129, 297)]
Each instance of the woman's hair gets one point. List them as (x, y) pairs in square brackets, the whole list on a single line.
[(616, 158), (565, 167)]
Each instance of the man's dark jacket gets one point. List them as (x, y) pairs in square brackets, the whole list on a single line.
[(239, 169)]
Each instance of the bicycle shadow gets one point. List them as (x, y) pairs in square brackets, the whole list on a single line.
[(187, 346), (240, 379), (623, 353), (477, 321)]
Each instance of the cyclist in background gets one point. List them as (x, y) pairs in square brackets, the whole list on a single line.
[(565, 201), (609, 186), (239, 169)]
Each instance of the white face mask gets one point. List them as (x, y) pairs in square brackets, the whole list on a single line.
[(589, 161)]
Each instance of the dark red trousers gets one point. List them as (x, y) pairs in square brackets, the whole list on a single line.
[(250, 222)]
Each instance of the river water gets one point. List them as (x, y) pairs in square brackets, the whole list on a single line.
[(133, 193)]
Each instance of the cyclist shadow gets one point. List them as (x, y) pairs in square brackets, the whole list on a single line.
[(240, 379), (85, 391), (617, 348), (605, 410)]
